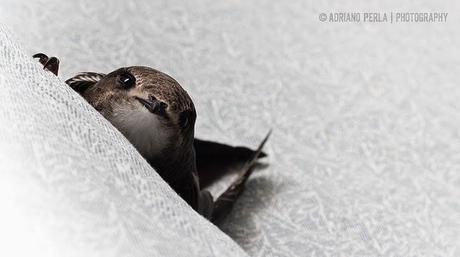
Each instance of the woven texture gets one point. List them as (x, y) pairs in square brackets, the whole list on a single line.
[(364, 157), (72, 185)]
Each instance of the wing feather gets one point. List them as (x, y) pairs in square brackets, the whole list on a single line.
[(84, 80)]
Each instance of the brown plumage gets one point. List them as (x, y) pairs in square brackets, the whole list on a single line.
[(158, 117)]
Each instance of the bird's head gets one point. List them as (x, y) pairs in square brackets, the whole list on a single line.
[(149, 107)]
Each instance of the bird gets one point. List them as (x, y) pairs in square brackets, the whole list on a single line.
[(157, 116)]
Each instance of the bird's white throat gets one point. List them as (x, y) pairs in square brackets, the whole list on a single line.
[(143, 129)]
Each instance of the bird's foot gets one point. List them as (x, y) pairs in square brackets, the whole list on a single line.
[(154, 105), (51, 64)]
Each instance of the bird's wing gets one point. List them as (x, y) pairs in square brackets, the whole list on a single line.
[(84, 80), (224, 203), (214, 159)]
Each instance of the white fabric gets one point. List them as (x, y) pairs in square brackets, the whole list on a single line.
[(71, 185), (364, 157)]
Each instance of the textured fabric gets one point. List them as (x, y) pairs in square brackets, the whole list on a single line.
[(364, 154), (71, 185)]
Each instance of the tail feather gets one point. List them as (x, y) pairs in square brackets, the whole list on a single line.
[(224, 203)]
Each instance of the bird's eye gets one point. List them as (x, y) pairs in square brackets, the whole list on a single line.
[(126, 80)]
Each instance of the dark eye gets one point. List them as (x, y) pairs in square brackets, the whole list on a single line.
[(126, 80)]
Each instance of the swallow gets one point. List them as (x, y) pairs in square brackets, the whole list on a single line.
[(154, 112)]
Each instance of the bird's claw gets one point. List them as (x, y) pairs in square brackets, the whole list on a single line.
[(42, 58), (51, 64), (154, 105)]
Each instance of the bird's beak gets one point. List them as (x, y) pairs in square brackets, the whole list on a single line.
[(153, 105), (145, 103)]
